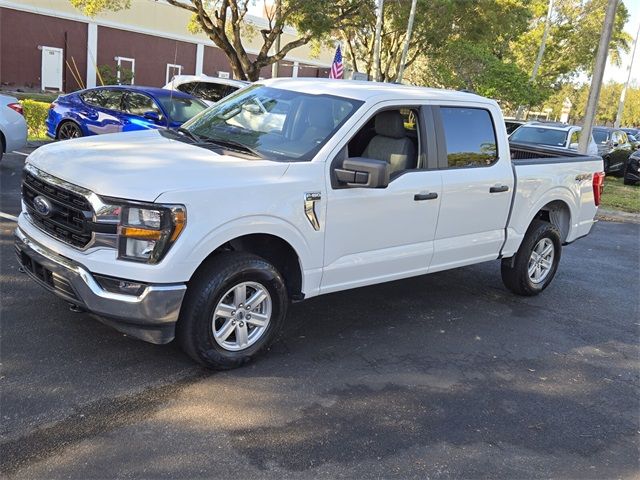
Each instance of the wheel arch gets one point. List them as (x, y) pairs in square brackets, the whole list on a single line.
[(557, 213), (272, 248), (3, 143), (69, 120)]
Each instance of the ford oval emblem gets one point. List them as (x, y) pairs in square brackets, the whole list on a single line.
[(43, 206)]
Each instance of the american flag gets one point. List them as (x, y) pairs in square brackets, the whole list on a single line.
[(336, 67)]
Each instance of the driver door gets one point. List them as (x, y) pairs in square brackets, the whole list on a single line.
[(375, 235)]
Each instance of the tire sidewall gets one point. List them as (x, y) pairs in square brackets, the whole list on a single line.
[(207, 348), (543, 230)]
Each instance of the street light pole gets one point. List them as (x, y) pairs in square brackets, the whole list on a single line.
[(623, 94), (377, 40), (596, 79)]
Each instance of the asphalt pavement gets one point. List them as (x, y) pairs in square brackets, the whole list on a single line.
[(442, 376)]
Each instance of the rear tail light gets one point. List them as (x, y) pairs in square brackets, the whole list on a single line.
[(16, 107), (598, 186)]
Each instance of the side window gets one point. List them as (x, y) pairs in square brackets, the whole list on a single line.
[(211, 91), (112, 99), (392, 136), (139, 104), (93, 97), (575, 138), (470, 137), (187, 87)]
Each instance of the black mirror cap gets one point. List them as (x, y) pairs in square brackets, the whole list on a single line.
[(364, 173)]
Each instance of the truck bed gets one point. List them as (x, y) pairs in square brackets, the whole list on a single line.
[(527, 154)]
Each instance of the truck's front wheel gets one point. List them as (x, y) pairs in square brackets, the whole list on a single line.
[(533, 267), (235, 306)]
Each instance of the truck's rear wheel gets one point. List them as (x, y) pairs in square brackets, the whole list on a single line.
[(234, 308), (533, 267)]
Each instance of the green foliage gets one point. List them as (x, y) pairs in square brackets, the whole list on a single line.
[(573, 39), (91, 8), (618, 196), (35, 113), (607, 104), (473, 66), (110, 75)]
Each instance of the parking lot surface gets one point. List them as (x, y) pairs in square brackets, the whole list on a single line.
[(441, 376)]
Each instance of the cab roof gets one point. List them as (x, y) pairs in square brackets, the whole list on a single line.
[(364, 91)]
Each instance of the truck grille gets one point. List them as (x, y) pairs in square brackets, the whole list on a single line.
[(70, 217)]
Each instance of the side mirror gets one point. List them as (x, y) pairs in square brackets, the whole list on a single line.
[(573, 146), (153, 116), (363, 172)]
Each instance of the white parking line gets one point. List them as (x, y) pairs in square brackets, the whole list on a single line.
[(20, 153), (8, 217)]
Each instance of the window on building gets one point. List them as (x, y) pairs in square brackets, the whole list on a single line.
[(126, 70), (172, 71), (469, 136)]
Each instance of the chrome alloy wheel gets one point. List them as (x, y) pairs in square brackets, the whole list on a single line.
[(241, 316), (541, 260)]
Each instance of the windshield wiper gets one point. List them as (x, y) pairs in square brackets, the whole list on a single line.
[(189, 134), (234, 146)]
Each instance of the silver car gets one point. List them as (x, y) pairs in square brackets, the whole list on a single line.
[(13, 127)]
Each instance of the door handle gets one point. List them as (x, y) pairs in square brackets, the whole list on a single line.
[(425, 196), (499, 189)]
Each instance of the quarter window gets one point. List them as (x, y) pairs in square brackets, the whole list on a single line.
[(469, 136), (109, 99)]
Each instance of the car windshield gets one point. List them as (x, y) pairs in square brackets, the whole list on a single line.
[(600, 136), (181, 109), (540, 136), (276, 124)]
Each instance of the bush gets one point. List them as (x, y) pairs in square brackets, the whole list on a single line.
[(35, 113)]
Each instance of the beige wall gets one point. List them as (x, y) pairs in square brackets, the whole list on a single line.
[(159, 18)]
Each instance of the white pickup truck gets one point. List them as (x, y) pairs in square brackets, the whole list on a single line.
[(289, 189)]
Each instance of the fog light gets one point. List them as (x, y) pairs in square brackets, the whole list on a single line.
[(118, 285)]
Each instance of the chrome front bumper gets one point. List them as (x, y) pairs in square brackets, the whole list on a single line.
[(150, 316)]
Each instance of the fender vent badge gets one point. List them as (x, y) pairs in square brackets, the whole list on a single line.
[(310, 199)]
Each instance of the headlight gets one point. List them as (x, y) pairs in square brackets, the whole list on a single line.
[(146, 233)]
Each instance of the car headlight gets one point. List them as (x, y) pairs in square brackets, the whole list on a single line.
[(146, 233)]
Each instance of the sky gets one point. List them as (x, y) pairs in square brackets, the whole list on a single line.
[(619, 74)]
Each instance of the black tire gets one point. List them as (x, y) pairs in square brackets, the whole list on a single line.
[(68, 130), (515, 271), (207, 288)]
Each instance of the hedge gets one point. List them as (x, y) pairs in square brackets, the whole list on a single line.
[(35, 113)]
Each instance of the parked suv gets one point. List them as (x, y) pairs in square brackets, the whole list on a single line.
[(204, 87), (614, 148), (555, 135)]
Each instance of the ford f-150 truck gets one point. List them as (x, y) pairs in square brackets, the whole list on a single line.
[(289, 189)]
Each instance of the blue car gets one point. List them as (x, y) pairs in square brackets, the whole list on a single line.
[(119, 109)]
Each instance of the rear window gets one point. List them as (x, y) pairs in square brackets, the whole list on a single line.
[(540, 136), (211, 92), (470, 137), (600, 136), (182, 109)]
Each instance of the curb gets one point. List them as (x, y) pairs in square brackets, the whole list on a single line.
[(617, 216)]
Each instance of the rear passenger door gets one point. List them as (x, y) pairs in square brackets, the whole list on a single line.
[(477, 186)]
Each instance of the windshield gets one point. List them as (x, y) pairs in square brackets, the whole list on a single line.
[(182, 109), (276, 124), (601, 136), (540, 136)]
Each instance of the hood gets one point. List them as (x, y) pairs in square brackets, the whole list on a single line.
[(143, 165)]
